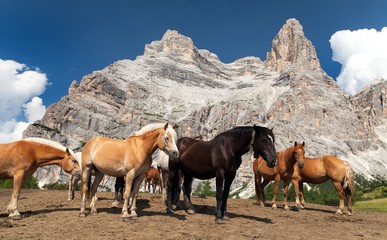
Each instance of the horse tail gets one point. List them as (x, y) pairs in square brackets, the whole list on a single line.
[(348, 182)]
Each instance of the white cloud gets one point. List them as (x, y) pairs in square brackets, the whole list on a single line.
[(19, 87), (363, 56)]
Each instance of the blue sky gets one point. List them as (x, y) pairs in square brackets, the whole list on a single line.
[(65, 40)]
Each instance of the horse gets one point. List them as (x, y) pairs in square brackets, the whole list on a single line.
[(131, 158), (20, 159), (219, 158), (119, 187), (321, 169), (283, 170), (152, 178)]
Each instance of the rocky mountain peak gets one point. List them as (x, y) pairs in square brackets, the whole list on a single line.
[(290, 48), (173, 43)]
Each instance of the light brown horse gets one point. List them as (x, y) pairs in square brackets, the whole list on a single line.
[(20, 159), (320, 170), (283, 170), (152, 178), (131, 158)]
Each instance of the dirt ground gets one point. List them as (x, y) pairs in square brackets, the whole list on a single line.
[(48, 215)]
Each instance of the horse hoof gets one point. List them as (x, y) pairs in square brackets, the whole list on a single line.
[(94, 213), (170, 210), (286, 207), (15, 217), (134, 217), (339, 212), (219, 221), (274, 207), (82, 214), (190, 211), (349, 213), (125, 219), (226, 218)]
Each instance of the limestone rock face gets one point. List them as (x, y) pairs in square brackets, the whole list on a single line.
[(291, 48), (176, 82)]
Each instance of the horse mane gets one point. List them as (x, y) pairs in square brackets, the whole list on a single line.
[(153, 126), (51, 144), (236, 131)]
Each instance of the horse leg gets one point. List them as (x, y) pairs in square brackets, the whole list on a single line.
[(118, 192), (97, 179), (286, 190), (18, 181), (173, 181), (86, 172), (341, 193), (187, 194), (263, 185), (133, 203), (258, 189), (70, 195), (128, 188), (277, 179), (226, 190), (219, 194), (301, 193)]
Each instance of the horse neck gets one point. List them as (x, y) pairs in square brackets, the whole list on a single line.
[(46, 155), (148, 141), (242, 144)]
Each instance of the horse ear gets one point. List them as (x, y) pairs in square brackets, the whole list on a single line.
[(166, 126), (303, 144), (68, 151), (295, 143)]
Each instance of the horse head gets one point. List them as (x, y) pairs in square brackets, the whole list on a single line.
[(70, 164), (167, 141), (299, 154), (263, 145)]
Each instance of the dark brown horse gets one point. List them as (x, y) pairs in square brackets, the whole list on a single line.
[(319, 170), (283, 170), (220, 158)]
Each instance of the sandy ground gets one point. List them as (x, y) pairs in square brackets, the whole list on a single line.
[(48, 215)]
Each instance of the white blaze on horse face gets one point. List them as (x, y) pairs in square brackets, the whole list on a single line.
[(271, 139)]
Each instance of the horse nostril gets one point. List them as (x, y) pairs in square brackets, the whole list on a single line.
[(300, 165)]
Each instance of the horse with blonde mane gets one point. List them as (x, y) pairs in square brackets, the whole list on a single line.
[(321, 169), (283, 170), (131, 158), (20, 159)]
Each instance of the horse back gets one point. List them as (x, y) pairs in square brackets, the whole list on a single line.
[(16, 155), (319, 170)]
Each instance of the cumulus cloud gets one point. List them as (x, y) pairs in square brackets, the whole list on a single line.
[(363, 56), (19, 87)]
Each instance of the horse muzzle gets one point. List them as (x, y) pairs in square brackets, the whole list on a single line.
[(272, 163), (301, 165), (174, 154), (77, 173)]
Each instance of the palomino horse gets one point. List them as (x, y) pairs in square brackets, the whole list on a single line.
[(152, 178), (20, 159), (319, 170), (283, 170), (130, 158), (220, 158)]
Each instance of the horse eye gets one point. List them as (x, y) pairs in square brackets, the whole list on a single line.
[(166, 138)]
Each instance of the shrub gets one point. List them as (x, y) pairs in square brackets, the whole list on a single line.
[(56, 186), (31, 183), (204, 190)]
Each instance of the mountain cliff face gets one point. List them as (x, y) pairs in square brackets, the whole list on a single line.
[(174, 81)]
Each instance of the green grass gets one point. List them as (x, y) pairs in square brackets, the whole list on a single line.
[(376, 205)]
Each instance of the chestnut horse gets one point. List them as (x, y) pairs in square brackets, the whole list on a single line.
[(220, 158), (283, 170), (20, 159), (130, 158), (152, 178), (320, 170)]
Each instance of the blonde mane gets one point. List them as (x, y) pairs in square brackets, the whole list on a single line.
[(51, 144), (153, 126)]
